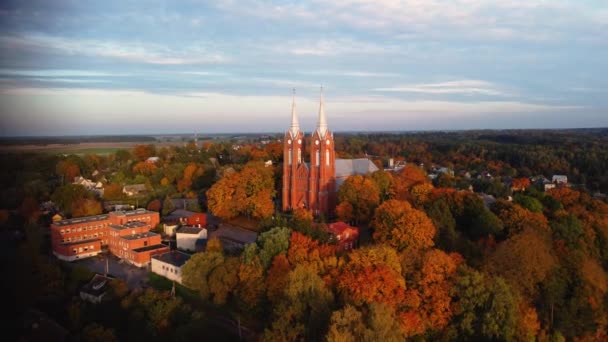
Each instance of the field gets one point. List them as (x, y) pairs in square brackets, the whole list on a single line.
[(82, 148)]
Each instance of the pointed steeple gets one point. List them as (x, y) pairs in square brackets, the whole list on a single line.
[(295, 125), (322, 124)]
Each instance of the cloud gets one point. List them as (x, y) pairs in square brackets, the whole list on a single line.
[(462, 87), (335, 47), (130, 51)]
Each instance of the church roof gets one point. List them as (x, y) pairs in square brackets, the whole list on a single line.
[(349, 167), (295, 125), (322, 123)]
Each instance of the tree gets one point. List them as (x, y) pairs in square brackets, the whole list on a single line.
[(65, 196), (95, 332), (272, 243), (276, 280), (143, 152), (529, 203), (516, 219), (248, 192), (409, 176), (86, 207), (113, 191), (154, 205), (524, 260), (486, 223), (68, 170), (399, 225), (376, 322), (485, 307), (344, 212), (520, 184), (223, 280), (363, 195), (196, 271), (168, 206), (144, 168), (306, 310), (383, 180)]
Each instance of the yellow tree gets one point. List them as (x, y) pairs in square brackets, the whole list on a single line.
[(401, 226), (362, 194)]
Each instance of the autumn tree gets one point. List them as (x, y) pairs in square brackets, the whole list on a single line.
[(399, 225), (144, 168), (520, 184), (223, 279), (196, 271), (276, 280), (248, 192), (524, 260), (408, 177), (516, 218), (363, 195), (345, 212), (143, 152), (375, 322), (67, 169), (113, 191), (384, 181), (66, 196), (86, 207)]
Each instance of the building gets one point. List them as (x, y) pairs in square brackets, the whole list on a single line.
[(313, 185), (187, 236), (134, 190), (233, 238), (559, 179), (125, 233), (169, 265), (95, 290), (345, 236), (186, 217)]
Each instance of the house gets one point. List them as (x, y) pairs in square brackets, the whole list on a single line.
[(186, 237), (90, 185), (95, 289), (346, 236), (233, 238), (134, 190), (186, 217), (152, 160), (169, 265), (559, 179), (488, 200)]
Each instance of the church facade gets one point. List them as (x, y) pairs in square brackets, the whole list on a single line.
[(313, 185)]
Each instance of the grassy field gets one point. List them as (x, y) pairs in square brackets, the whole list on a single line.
[(101, 148), (101, 151)]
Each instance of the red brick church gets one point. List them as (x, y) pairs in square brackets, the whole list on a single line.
[(313, 185)]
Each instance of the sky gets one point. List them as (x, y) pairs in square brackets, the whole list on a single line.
[(70, 67)]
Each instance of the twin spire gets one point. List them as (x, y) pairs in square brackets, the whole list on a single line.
[(321, 124)]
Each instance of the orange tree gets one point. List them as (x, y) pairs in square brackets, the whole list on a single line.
[(401, 226)]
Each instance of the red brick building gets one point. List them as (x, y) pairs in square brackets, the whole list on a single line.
[(313, 185), (186, 218), (346, 236), (126, 233)]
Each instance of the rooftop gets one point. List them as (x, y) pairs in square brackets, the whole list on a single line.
[(338, 228), (73, 243), (349, 167), (179, 213), (128, 225), (96, 286), (149, 248), (78, 220), (174, 258), (140, 211), (139, 236), (189, 230)]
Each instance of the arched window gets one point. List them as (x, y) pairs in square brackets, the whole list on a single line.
[(318, 158), (299, 155), (289, 156), (327, 157)]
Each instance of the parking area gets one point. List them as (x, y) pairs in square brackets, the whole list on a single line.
[(134, 277)]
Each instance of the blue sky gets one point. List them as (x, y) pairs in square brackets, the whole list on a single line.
[(114, 67)]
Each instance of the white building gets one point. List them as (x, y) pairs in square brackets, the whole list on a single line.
[(560, 179), (187, 236), (95, 289), (169, 265)]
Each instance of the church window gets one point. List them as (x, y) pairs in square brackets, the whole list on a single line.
[(318, 157), (299, 155), (289, 156), (327, 157)]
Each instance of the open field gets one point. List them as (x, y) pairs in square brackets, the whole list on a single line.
[(83, 148)]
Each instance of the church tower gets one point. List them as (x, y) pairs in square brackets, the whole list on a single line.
[(322, 175), (295, 172)]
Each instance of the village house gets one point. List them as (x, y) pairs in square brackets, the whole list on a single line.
[(134, 190), (95, 290), (346, 236), (187, 237), (560, 179), (169, 265)]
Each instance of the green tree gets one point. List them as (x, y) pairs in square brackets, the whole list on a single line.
[(168, 206)]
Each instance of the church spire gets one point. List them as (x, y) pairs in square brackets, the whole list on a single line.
[(295, 125), (322, 125)]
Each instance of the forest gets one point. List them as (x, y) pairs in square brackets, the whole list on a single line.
[(459, 241)]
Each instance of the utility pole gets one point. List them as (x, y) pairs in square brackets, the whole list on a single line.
[(173, 290)]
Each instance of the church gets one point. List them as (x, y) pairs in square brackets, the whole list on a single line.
[(314, 185)]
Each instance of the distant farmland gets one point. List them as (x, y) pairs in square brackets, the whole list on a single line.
[(83, 148)]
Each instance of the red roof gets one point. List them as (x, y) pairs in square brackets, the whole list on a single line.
[(338, 228)]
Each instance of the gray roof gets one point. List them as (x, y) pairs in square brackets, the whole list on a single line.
[(174, 258), (135, 187), (182, 203), (350, 167), (189, 230)]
